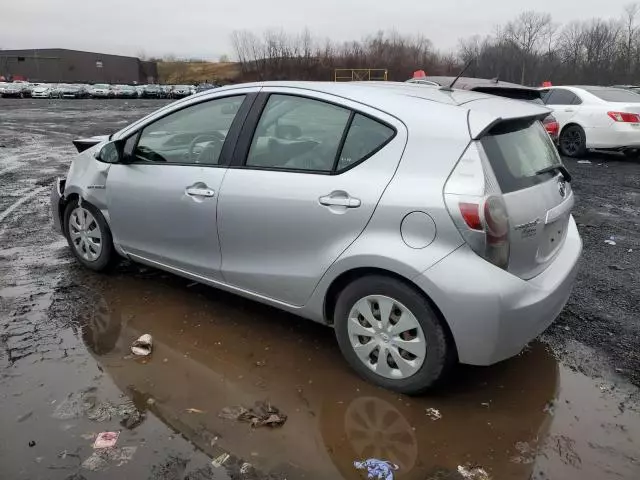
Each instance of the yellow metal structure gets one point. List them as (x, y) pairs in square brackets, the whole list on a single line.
[(359, 74)]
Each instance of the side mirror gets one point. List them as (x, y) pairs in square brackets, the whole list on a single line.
[(110, 153)]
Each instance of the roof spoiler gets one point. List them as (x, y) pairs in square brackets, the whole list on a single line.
[(480, 122)]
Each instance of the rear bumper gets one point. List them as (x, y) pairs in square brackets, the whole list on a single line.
[(55, 199), (619, 135), (493, 314)]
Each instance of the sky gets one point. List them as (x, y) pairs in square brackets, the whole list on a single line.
[(202, 28)]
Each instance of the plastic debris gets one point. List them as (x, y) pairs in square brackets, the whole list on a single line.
[(106, 440), (32, 443), (245, 468), (142, 346), (378, 469), (101, 459), (262, 413), (584, 161), (24, 417), (194, 410), (475, 473), (433, 414), (219, 461), (610, 242)]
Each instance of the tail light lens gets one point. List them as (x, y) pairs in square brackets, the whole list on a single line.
[(477, 207), (551, 126), (624, 117)]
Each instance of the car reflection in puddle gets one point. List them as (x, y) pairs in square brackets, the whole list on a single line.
[(213, 350)]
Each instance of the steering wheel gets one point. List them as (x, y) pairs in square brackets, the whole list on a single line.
[(215, 137)]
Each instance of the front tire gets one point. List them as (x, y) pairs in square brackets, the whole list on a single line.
[(390, 334), (573, 142), (89, 236)]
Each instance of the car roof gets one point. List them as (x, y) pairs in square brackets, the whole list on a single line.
[(584, 87), (366, 91)]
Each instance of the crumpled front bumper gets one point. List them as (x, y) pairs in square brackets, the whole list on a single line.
[(57, 190)]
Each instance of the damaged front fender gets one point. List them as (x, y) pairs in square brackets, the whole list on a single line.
[(87, 178)]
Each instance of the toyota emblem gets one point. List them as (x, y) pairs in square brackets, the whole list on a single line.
[(562, 188)]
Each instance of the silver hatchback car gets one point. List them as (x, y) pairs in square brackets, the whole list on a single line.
[(426, 225)]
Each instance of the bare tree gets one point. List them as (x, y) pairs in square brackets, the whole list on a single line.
[(527, 32)]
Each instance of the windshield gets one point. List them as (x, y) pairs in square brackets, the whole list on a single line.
[(615, 95), (517, 150), (101, 85), (152, 87)]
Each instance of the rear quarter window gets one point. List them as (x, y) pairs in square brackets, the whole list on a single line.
[(517, 150), (365, 137)]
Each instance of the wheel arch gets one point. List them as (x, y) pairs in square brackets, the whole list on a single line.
[(571, 124), (345, 278)]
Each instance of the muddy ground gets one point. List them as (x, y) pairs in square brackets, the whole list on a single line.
[(567, 408)]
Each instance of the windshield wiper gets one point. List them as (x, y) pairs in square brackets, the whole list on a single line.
[(558, 167)]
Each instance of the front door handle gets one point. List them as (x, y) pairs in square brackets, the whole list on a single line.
[(569, 110), (199, 192), (339, 199)]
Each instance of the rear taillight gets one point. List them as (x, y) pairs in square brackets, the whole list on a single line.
[(476, 206), (624, 117), (551, 126)]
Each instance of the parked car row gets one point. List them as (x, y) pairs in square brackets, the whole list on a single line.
[(99, 90)]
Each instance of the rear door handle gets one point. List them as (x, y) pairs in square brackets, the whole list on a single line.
[(199, 192), (339, 199)]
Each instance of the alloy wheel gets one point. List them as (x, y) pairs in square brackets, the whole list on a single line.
[(85, 234), (386, 336), (571, 141)]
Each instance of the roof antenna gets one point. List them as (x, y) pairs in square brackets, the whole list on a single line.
[(450, 87)]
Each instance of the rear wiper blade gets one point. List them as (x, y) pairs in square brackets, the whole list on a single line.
[(558, 167)]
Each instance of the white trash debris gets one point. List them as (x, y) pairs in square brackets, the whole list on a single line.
[(475, 473), (433, 414), (610, 242), (218, 462), (142, 346), (584, 161), (106, 440)]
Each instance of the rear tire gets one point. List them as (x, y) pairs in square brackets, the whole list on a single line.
[(89, 236), (412, 323), (573, 141)]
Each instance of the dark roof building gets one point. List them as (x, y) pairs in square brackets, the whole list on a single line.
[(68, 66)]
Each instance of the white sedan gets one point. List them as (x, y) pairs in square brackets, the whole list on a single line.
[(595, 118)]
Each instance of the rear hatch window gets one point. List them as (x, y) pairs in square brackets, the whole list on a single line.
[(538, 204), (517, 150)]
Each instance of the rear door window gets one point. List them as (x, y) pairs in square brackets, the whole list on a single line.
[(516, 151), (560, 96), (297, 133)]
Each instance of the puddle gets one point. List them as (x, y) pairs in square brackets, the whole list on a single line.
[(529, 417)]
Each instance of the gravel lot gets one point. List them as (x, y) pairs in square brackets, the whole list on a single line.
[(567, 408)]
